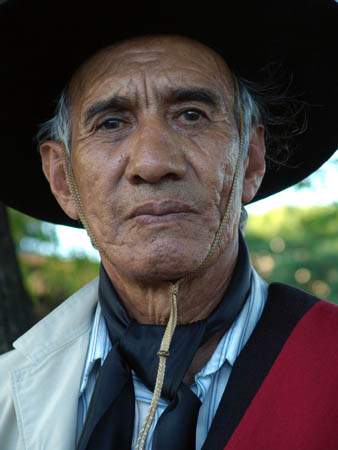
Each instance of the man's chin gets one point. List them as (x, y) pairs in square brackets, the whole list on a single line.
[(159, 271), (155, 268), (169, 258)]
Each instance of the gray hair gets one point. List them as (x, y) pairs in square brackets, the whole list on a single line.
[(59, 127), (270, 104), (250, 112)]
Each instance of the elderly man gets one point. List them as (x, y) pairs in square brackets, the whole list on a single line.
[(155, 146)]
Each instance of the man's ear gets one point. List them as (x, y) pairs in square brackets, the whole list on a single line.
[(52, 165), (254, 165)]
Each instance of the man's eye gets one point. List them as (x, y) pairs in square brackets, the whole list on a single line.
[(192, 115), (110, 124)]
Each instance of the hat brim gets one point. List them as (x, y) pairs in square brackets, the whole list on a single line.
[(46, 41)]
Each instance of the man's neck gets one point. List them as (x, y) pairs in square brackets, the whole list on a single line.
[(149, 303)]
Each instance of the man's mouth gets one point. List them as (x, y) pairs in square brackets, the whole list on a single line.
[(161, 211)]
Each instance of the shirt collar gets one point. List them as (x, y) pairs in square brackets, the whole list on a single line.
[(236, 337), (98, 348), (227, 350)]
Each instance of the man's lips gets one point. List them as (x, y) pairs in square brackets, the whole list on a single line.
[(161, 208)]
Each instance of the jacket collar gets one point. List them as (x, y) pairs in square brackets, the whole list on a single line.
[(64, 324)]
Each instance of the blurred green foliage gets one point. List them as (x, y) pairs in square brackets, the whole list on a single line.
[(48, 278), (298, 246)]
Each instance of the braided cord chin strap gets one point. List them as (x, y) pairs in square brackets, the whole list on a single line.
[(163, 352), (67, 167)]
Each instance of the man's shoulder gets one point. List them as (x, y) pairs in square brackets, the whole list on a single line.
[(288, 303), (50, 354), (295, 297), (8, 362), (59, 328), (53, 349)]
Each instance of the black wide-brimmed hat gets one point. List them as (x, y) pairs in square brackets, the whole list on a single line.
[(43, 42)]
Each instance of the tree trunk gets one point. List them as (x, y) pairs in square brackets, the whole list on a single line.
[(16, 309)]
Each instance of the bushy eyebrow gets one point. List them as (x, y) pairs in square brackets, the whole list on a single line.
[(197, 94), (115, 102), (171, 95)]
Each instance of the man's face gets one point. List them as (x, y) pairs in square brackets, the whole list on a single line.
[(154, 148)]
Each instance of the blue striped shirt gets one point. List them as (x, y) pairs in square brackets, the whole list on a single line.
[(209, 383)]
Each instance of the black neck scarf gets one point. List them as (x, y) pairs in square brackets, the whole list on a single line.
[(110, 416)]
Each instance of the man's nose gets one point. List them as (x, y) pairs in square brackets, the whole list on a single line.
[(155, 152)]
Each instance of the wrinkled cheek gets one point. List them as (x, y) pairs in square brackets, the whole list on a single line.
[(221, 186), (104, 225), (219, 161), (97, 207)]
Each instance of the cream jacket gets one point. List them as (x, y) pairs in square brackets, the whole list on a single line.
[(40, 378)]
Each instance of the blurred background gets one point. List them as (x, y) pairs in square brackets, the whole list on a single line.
[(292, 238)]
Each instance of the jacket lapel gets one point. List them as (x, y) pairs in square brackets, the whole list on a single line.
[(46, 386)]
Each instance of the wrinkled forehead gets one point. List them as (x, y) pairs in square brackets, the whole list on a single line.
[(160, 60)]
